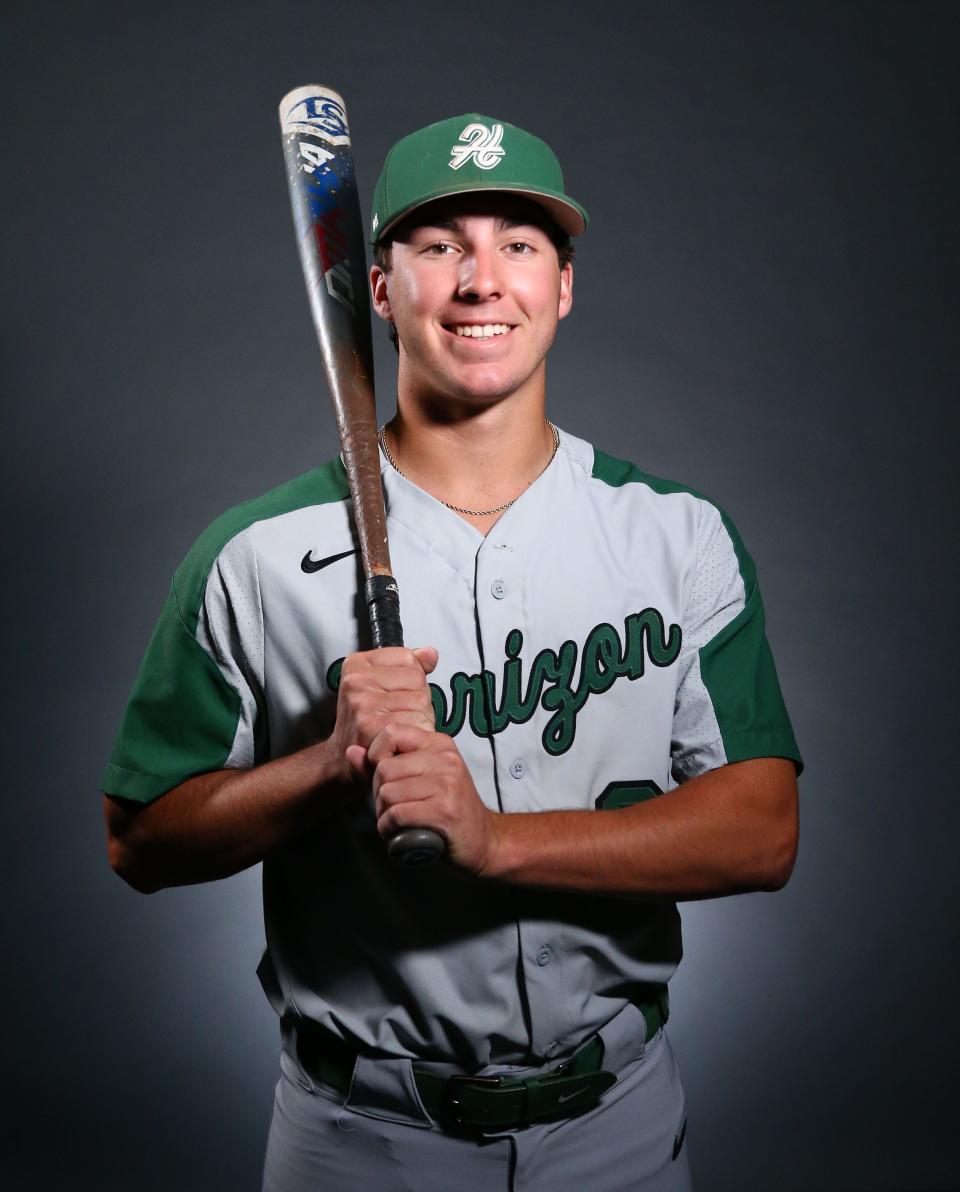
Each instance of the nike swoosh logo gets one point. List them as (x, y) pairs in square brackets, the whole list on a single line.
[(569, 1096), (310, 565)]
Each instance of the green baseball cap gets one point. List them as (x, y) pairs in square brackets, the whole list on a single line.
[(466, 154)]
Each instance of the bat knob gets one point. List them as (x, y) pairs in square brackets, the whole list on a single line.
[(416, 846)]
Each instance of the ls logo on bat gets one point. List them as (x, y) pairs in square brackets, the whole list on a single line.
[(320, 113)]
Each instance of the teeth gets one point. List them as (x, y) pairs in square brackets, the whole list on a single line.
[(471, 330)]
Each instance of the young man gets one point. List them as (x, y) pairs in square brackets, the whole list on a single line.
[(592, 721)]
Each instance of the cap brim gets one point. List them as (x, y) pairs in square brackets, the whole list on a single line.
[(568, 215)]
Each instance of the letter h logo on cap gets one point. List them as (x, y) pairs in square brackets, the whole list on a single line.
[(483, 145)]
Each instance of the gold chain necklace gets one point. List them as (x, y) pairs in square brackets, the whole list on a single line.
[(458, 508)]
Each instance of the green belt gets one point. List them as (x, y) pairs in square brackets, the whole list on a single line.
[(488, 1102)]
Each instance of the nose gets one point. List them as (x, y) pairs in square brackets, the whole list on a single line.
[(480, 277)]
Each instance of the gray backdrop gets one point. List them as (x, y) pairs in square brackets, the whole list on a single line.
[(764, 303)]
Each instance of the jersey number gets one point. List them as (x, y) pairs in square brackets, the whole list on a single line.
[(624, 794)]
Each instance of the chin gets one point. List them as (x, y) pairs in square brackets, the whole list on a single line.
[(487, 394), (492, 383), (473, 383), (472, 389)]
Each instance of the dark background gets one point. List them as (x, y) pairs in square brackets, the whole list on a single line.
[(765, 303)]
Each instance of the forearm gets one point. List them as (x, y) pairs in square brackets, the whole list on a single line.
[(728, 831), (217, 824)]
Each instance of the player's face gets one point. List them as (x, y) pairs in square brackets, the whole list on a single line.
[(475, 290)]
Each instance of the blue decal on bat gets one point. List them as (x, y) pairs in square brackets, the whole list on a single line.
[(324, 186), (322, 193)]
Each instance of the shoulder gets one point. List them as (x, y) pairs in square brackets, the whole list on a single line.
[(618, 473), (675, 501), (321, 486), (613, 472), (605, 471)]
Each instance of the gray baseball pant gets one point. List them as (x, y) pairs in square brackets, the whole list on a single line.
[(380, 1139)]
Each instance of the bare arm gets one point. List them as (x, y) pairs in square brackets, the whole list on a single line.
[(216, 824), (730, 830)]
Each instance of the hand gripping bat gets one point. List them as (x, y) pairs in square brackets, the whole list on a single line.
[(329, 230)]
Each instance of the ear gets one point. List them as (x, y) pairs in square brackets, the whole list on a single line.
[(378, 293), (566, 290)]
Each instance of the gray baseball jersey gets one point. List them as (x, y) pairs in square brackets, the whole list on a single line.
[(603, 643)]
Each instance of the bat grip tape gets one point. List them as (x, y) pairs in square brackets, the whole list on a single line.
[(410, 846), (383, 605)]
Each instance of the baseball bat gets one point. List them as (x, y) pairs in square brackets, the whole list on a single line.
[(329, 230)]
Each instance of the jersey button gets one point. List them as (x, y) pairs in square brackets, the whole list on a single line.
[(518, 767), (499, 589), (544, 956)]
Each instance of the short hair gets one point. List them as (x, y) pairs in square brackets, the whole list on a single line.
[(563, 243)]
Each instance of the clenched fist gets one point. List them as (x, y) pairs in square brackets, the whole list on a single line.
[(377, 688), (420, 780)]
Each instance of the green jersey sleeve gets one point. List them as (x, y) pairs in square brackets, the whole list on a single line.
[(729, 704), (194, 705)]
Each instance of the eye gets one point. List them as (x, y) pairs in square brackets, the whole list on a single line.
[(519, 248), (439, 248)]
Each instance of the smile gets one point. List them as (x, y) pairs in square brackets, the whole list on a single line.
[(479, 331)]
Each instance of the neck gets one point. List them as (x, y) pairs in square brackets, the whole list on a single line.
[(477, 460)]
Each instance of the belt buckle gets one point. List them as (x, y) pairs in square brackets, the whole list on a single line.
[(451, 1106)]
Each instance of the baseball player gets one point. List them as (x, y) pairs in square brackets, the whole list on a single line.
[(592, 721)]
